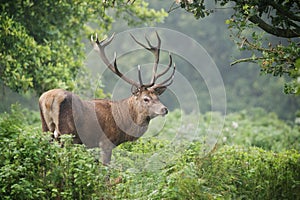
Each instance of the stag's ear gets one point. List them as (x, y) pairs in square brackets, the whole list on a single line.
[(160, 90), (135, 90)]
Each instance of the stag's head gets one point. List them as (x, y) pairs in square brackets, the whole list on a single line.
[(145, 97)]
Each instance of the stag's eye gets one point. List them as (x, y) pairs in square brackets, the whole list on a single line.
[(146, 99)]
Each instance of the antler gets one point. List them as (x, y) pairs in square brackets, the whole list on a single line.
[(154, 49), (169, 80), (112, 66), (156, 52)]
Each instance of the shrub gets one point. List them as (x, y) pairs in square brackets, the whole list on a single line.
[(155, 167), (242, 173), (258, 128), (230, 172), (33, 168)]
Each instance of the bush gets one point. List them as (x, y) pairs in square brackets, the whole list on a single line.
[(230, 172), (33, 168), (152, 168), (258, 128), (242, 173)]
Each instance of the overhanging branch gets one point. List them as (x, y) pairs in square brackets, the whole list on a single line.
[(286, 33), (284, 12)]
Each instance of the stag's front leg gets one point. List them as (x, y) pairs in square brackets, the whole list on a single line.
[(106, 152), (106, 156)]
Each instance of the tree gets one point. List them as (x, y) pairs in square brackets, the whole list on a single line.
[(41, 41), (278, 18)]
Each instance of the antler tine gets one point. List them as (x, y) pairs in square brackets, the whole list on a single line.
[(112, 66), (155, 50), (103, 43), (158, 39), (167, 69), (168, 83), (156, 55), (140, 75), (171, 77), (141, 44), (158, 43)]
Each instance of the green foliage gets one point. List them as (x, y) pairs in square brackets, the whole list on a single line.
[(230, 172), (32, 167), (27, 64), (196, 7), (248, 168), (276, 59), (242, 173), (257, 128), (42, 42), (138, 13), (278, 18), (293, 87)]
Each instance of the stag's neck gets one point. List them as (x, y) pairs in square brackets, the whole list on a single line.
[(138, 117), (129, 120)]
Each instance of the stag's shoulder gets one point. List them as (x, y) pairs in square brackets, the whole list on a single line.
[(102, 103)]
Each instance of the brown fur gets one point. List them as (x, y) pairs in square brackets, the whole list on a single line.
[(99, 123)]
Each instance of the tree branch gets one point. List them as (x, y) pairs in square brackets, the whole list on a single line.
[(286, 33), (284, 11), (246, 60), (173, 7)]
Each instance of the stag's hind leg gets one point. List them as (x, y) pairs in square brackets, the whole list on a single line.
[(44, 123), (48, 123)]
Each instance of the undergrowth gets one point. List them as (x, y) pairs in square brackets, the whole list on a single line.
[(256, 157)]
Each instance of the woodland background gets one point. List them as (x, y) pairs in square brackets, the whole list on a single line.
[(45, 44)]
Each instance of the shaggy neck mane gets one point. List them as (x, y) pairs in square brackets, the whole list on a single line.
[(130, 121), (138, 117)]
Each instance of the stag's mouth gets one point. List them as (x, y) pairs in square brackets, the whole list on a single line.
[(148, 118), (164, 111)]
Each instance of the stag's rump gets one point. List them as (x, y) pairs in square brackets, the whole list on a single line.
[(63, 112)]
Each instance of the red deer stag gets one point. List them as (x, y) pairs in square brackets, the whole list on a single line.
[(106, 123)]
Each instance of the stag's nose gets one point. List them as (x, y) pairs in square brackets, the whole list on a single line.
[(164, 111)]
